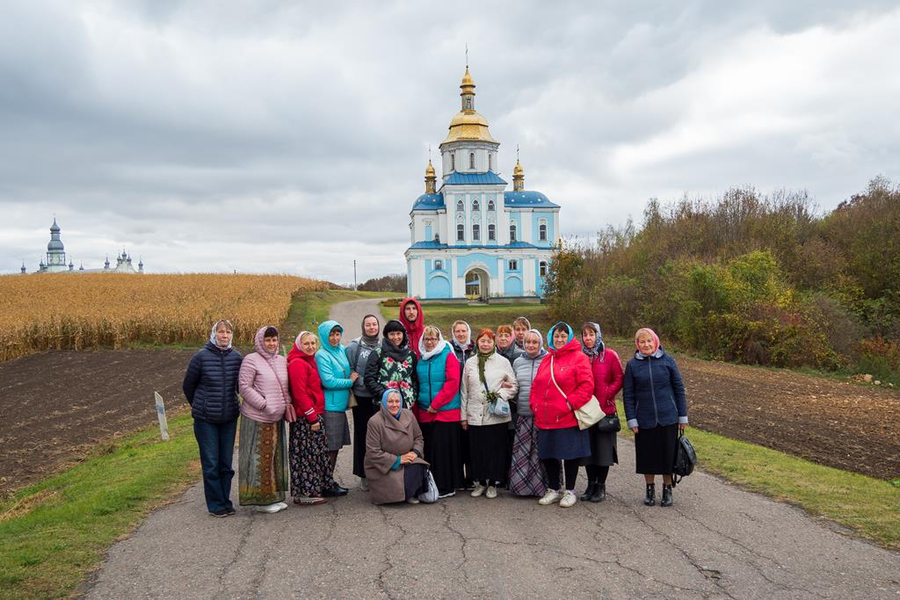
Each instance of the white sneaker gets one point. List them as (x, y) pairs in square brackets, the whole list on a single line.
[(568, 499), (449, 494), (491, 492), (271, 508), (412, 500), (478, 490), (282, 505), (551, 497)]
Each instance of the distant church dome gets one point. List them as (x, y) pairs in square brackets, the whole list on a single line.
[(55, 244), (467, 124)]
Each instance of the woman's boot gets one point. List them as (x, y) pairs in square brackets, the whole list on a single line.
[(666, 495), (650, 500), (599, 494), (591, 487)]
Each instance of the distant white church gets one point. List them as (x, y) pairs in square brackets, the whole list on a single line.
[(471, 238), (55, 260)]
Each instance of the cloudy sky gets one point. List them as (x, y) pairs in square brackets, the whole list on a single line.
[(283, 136)]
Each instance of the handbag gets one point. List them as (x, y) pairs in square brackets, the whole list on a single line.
[(609, 424), (586, 415), (430, 495), (290, 413), (351, 398), (498, 408), (685, 459)]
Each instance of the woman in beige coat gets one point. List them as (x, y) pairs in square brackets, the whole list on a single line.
[(487, 380), (394, 466)]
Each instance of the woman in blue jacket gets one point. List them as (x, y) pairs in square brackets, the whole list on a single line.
[(210, 386), (337, 379), (656, 408)]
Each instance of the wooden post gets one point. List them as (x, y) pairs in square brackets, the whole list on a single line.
[(161, 415)]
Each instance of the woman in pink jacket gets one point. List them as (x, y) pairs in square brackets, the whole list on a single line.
[(263, 384), (607, 370)]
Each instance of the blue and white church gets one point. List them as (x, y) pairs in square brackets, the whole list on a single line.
[(470, 237)]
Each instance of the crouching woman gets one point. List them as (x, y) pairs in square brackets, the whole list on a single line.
[(394, 466)]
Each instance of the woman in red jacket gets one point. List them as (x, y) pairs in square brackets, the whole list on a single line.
[(308, 454), (607, 370), (563, 383)]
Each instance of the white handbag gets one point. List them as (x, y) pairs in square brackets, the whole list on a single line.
[(430, 495), (587, 415)]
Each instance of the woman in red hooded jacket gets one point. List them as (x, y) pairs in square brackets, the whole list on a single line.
[(413, 320), (308, 451), (563, 383)]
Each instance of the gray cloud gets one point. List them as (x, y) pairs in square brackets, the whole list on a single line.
[(292, 137)]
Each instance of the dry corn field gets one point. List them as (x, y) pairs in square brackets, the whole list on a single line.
[(104, 310)]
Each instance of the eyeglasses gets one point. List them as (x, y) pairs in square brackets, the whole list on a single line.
[(431, 339)]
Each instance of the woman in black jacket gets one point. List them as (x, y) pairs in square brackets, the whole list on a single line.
[(210, 386)]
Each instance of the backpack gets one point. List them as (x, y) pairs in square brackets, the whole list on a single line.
[(685, 459)]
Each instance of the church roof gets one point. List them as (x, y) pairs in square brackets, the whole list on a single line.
[(526, 199), (488, 178), (429, 202)]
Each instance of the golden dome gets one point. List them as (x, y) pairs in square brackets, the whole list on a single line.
[(518, 170), (467, 124), (429, 170), (467, 82)]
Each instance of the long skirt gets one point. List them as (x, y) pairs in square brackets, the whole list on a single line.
[(445, 455), (604, 452), (310, 474), (362, 412), (527, 476), (338, 430), (262, 449), (654, 449), (563, 444), (488, 452), (414, 481)]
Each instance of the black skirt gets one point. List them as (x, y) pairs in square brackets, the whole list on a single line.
[(603, 448), (362, 412), (488, 452), (445, 455), (654, 449), (414, 480)]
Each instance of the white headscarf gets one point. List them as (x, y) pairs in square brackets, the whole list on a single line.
[(437, 349), (540, 342), (212, 335)]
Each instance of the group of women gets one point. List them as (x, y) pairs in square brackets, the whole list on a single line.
[(476, 414)]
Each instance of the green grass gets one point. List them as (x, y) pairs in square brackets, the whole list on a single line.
[(491, 315), (865, 505), (58, 530), (311, 308)]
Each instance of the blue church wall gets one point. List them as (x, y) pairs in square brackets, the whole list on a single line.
[(438, 287), (514, 286), (429, 233), (539, 281), (464, 262), (535, 225)]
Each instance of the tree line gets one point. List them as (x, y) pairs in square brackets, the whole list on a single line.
[(751, 278)]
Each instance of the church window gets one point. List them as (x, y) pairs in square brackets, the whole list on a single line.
[(476, 232), (476, 206), (492, 232), (438, 265), (542, 232), (513, 265), (490, 162), (543, 268), (512, 233), (460, 232), (460, 206), (452, 162), (491, 206), (471, 160)]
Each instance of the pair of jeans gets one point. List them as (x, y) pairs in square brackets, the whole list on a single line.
[(216, 443)]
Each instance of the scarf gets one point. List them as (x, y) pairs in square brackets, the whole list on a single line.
[(438, 348), (260, 347), (384, 398), (369, 341), (214, 341), (599, 346), (482, 361), (540, 340), (299, 337)]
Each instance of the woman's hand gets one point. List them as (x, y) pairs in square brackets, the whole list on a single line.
[(316, 426), (408, 458), (431, 410), (634, 429), (354, 376), (507, 385), (465, 425), (681, 426)]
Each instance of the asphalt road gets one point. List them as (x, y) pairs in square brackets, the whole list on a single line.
[(717, 541)]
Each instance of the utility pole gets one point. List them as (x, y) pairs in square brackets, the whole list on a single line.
[(355, 288)]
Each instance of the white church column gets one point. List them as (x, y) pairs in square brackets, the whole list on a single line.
[(499, 286), (529, 280)]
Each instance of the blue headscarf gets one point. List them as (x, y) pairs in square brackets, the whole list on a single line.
[(550, 345), (384, 398)]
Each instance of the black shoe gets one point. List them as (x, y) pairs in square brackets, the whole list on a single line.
[(589, 491), (599, 494), (230, 510), (335, 490), (666, 496), (650, 500), (218, 513)]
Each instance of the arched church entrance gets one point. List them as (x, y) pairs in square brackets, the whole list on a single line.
[(478, 284)]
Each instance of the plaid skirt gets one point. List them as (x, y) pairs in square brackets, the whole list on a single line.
[(526, 475)]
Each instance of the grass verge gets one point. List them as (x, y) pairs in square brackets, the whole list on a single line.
[(57, 531), (311, 308), (491, 315), (865, 505)]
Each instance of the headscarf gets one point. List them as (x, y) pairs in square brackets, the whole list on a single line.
[(370, 341), (299, 339), (550, 346), (258, 342), (212, 335), (441, 344), (482, 357), (521, 321), (384, 399), (657, 349), (455, 343), (540, 342), (400, 352), (599, 346)]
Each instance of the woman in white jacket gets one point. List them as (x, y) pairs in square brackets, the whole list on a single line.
[(488, 383)]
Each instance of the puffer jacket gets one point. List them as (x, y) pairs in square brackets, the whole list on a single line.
[(210, 384), (358, 355), (552, 409), (463, 353), (525, 369), (438, 388), (263, 383), (607, 379), (474, 404), (307, 395), (653, 391), (334, 370)]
